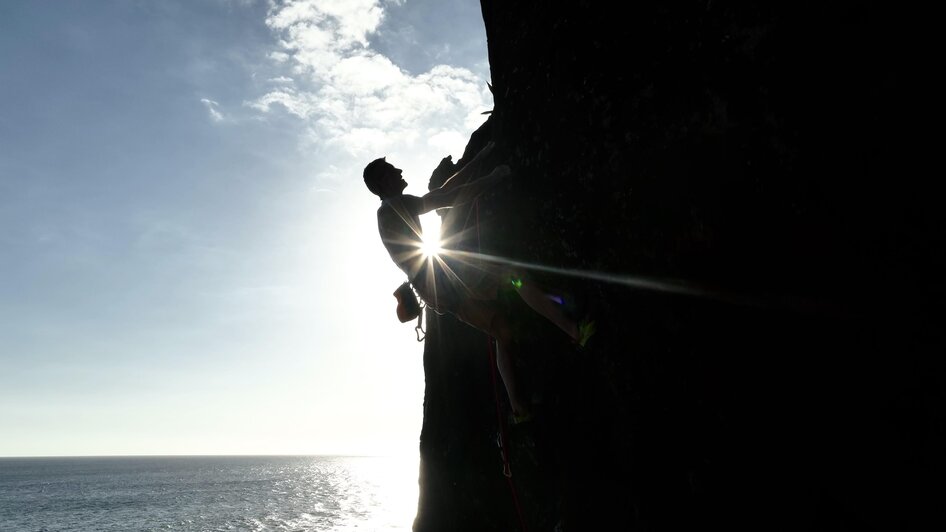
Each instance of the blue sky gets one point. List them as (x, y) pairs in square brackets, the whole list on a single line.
[(189, 257)]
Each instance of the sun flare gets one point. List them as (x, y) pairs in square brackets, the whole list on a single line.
[(430, 245)]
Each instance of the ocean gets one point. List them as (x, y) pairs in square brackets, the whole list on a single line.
[(208, 493)]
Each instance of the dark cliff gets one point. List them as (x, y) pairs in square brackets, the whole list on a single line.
[(764, 169)]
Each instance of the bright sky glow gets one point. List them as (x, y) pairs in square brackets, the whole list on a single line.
[(190, 262)]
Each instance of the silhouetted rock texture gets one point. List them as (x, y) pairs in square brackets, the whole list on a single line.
[(768, 164)]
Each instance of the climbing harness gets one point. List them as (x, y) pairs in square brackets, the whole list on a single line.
[(419, 329)]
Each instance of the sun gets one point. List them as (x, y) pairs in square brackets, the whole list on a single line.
[(430, 245)]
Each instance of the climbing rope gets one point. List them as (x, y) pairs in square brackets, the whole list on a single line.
[(507, 470), (491, 348)]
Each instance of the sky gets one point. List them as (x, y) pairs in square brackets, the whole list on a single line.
[(189, 259)]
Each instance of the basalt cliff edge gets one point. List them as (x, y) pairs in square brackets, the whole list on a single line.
[(740, 196)]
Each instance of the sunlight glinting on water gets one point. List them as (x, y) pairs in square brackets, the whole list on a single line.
[(191, 494), (389, 488)]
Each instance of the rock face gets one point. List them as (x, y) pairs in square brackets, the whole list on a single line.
[(740, 196)]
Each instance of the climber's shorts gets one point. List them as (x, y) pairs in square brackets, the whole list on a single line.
[(445, 283)]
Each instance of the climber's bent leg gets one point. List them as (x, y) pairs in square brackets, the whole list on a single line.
[(487, 317), (539, 301)]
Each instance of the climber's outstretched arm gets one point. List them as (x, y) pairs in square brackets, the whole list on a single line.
[(443, 197), (462, 176)]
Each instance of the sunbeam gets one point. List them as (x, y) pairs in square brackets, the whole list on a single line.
[(673, 286)]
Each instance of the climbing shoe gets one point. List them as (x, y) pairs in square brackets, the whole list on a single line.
[(586, 329), (518, 419)]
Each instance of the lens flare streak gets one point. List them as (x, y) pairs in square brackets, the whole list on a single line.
[(672, 286)]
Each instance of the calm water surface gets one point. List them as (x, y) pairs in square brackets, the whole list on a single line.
[(304, 493)]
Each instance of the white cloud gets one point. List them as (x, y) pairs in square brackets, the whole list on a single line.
[(349, 20), (301, 105), (355, 98), (445, 141), (366, 74), (211, 105), (365, 141)]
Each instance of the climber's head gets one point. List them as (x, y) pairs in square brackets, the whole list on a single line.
[(383, 179)]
